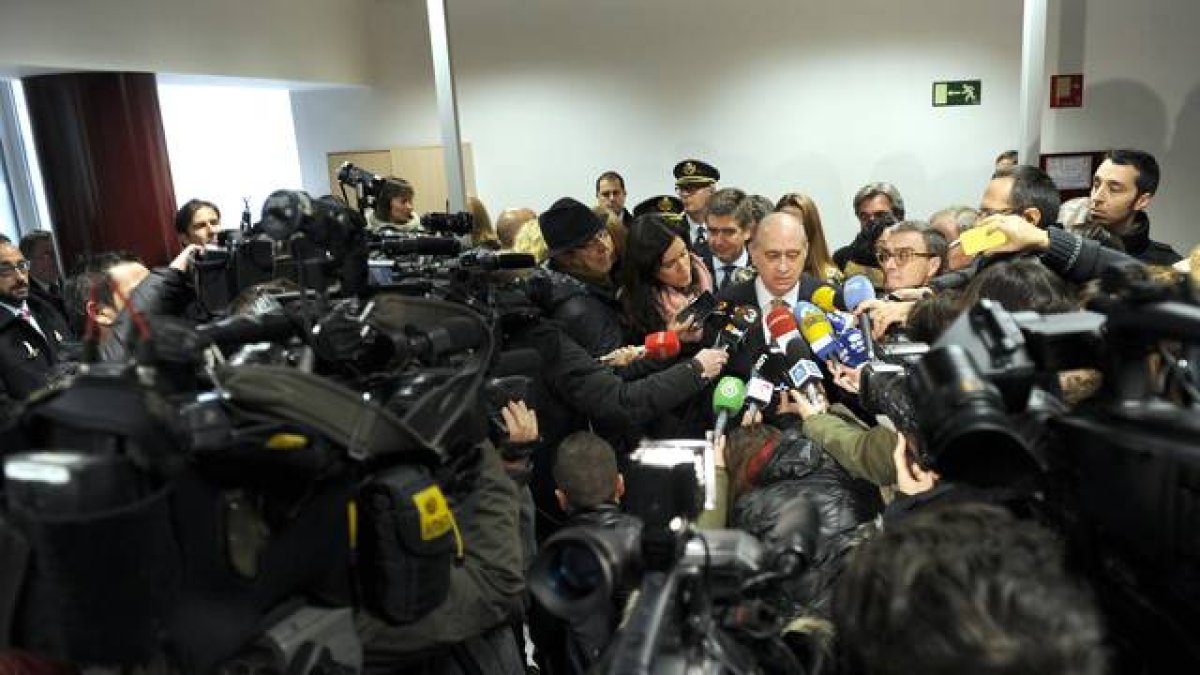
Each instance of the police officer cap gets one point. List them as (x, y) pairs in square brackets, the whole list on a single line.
[(663, 205), (695, 172)]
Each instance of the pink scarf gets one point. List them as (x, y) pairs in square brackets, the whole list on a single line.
[(672, 300)]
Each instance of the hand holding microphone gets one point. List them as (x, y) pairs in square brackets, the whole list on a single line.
[(711, 362), (808, 396), (660, 346)]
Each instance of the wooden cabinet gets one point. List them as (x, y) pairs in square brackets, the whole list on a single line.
[(423, 166)]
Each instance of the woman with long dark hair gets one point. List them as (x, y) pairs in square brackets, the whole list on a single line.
[(660, 277)]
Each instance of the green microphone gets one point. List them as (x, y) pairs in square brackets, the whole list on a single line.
[(727, 400)]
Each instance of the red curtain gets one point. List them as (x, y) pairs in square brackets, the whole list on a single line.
[(100, 141)]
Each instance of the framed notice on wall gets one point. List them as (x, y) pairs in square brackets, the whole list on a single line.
[(1072, 171)]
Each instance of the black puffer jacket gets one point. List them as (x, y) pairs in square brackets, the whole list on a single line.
[(799, 466), (797, 471), (590, 314)]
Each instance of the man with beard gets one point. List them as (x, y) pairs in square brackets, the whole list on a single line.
[(31, 333), (1122, 190)]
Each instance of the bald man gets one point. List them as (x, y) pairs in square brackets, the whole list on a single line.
[(779, 250), (509, 223)]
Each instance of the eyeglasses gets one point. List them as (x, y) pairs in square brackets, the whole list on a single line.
[(903, 256), (988, 213), (8, 269)]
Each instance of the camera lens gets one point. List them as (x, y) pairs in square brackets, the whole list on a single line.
[(967, 433), (575, 571)]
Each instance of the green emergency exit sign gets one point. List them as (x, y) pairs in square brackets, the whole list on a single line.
[(957, 92)]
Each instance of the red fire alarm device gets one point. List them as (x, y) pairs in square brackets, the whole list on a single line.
[(1066, 91)]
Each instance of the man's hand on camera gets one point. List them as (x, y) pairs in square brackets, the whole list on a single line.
[(521, 422), (711, 362), (844, 376), (183, 261)]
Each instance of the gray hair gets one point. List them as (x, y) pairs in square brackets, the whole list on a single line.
[(872, 190)]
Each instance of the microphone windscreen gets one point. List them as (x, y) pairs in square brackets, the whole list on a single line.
[(662, 345), (729, 395), (826, 297), (857, 289), (817, 330), (780, 322)]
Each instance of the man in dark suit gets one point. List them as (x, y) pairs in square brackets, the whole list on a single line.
[(726, 238), (45, 281), (778, 251), (695, 182), (31, 334)]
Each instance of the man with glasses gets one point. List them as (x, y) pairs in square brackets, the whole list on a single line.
[(910, 254), (32, 333), (695, 182), (582, 293)]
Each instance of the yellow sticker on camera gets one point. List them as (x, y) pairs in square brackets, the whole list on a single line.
[(436, 517), (980, 239)]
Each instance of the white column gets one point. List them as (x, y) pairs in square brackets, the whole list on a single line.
[(447, 102), (1034, 80)]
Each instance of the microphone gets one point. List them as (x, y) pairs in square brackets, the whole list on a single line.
[(727, 400), (740, 319), (661, 346), (782, 326), (828, 298), (857, 290), (851, 344), (759, 389), (816, 330), (806, 378)]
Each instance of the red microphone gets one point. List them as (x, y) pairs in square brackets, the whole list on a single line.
[(782, 325), (661, 346)]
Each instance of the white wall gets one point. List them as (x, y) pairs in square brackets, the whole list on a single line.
[(296, 40), (779, 94), (227, 144), (1141, 90)]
